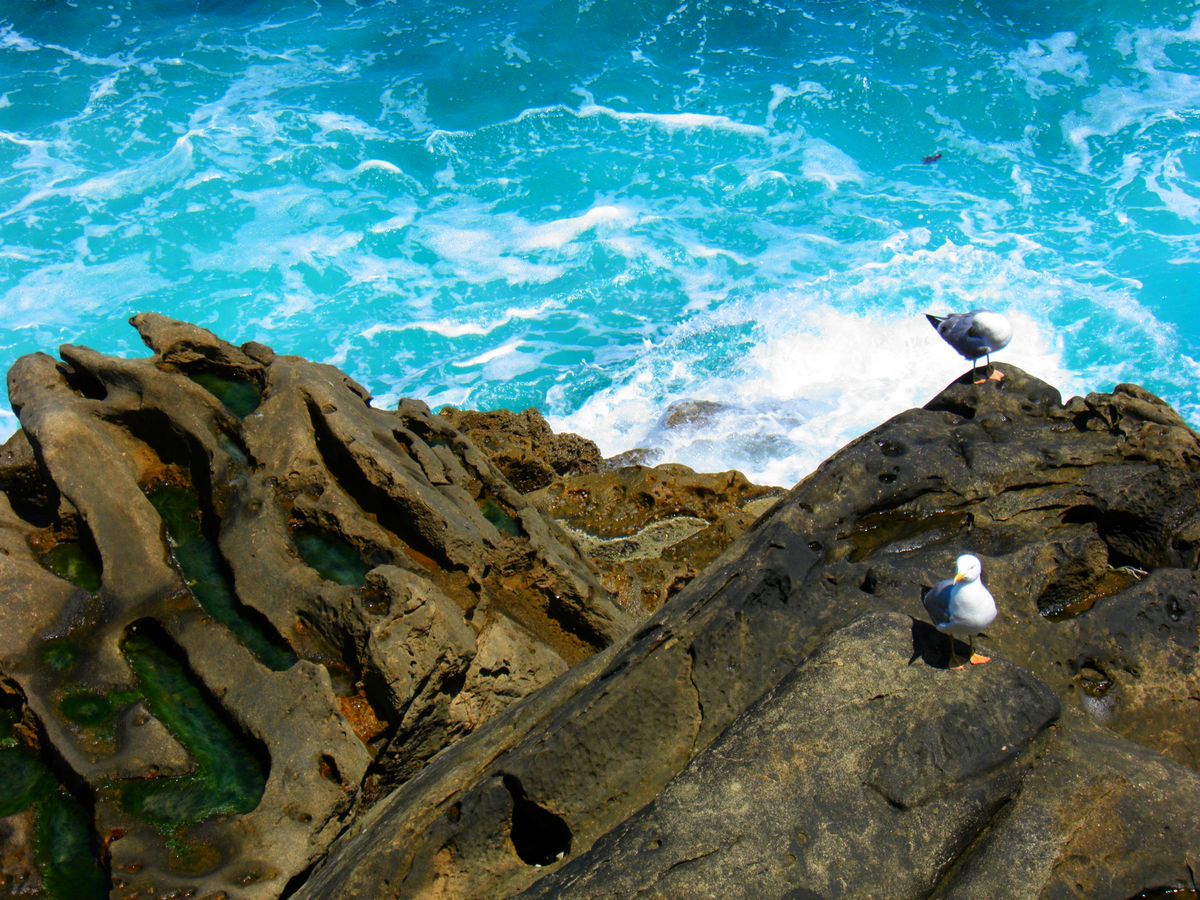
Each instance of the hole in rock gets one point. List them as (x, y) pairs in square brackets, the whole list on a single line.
[(231, 770), (538, 835), (1058, 604), (23, 479), (1093, 680), (1131, 539), (334, 558), (172, 446), (330, 770), (500, 518), (240, 396), (870, 582)]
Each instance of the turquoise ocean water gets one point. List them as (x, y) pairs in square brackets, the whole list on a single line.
[(600, 208)]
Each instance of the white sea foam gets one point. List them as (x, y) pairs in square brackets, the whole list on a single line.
[(12, 40), (826, 164), (780, 93), (1159, 91), (480, 256), (452, 329), (490, 355), (59, 295), (828, 362), (512, 51), (1055, 55), (1169, 182), (554, 235), (675, 121), (138, 179), (331, 123)]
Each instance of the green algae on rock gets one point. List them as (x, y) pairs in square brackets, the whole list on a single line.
[(332, 557), (206, 577), (65, 848), (500, 518), (76, 562), (239, 396), (229, 777)]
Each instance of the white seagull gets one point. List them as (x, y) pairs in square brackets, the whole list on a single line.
[(961, 606), (973, 334)]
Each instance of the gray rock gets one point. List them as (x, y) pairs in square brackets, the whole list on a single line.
[(858, 764), (1053, 498)]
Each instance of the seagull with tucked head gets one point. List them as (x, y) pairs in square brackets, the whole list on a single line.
[(961, 606), (973, 334)]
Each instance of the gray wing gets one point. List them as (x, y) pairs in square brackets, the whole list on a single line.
[(937, 602), (958, 330)]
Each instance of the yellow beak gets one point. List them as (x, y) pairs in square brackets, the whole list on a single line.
[(959, 576)]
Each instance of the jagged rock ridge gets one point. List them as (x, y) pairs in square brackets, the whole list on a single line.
[(785, 725)]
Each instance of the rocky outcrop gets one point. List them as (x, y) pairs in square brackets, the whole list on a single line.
[(340, 591), (524, 449), (860, 765), (598, 779), (260, 638), (649, 530)]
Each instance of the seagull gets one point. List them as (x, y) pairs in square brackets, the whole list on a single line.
[(973, 334), (961, 606)]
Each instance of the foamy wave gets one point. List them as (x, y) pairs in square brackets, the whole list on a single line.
[(556, 234), (675, 121), (450, 329), (1159, 92), (330, 123), (840, 355), (804, 392), (58, 295), (1170, 183), (827, 165), (1055, 55)]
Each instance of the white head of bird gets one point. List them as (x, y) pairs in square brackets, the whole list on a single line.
[(967, 568)]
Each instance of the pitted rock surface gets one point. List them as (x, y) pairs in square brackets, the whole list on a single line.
[(376, 554)]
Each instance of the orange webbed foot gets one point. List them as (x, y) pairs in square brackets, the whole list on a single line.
[(978, 659), (996, 375)]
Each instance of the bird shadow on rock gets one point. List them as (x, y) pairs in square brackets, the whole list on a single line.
[(933, 648)]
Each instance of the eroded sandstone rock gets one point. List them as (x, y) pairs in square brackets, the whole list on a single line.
[(318, 577)]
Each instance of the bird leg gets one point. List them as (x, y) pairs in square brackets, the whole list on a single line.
[(996, 375), (954, 663), (978, 659), (974, 369)]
